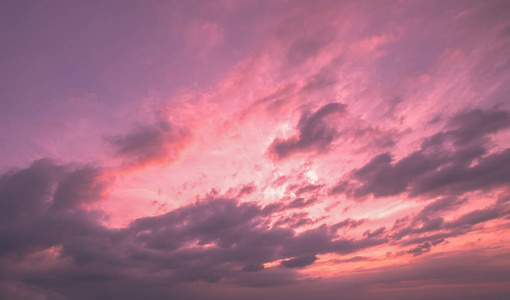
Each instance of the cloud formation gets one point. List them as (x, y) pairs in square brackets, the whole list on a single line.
[(150, 144), (325, 150), (207, 240), (452, 161), (314, 132)]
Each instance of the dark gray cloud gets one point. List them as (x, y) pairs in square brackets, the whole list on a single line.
[(491, 171), (314, 132), (424, 248), (374, 233), (428, 220), (147, 144), (253, 268), (83, 185), (474, 124), (347, 223), (27, 191), (439, 206), (450, 162), (41, 207), (246, 190), (214, 239), (428, 225), (479, 216), (295, 220), (299, 262), (301, 202), (308, 188)]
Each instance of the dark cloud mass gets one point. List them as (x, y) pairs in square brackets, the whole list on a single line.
[(301, 202), (148, 144), (84, 185), (439, 167), (299, 262), (42, 207), (308, 188), (211, 239), (424, 248), (314, 132), (473, 124), (429, 224), (374, 233)]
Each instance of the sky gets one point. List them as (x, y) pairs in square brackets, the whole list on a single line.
[(254, 150)]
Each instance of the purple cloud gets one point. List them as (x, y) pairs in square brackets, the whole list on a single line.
[(437, 169), (314, 132)]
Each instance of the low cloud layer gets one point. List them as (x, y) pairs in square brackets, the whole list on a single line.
[(213, 239)]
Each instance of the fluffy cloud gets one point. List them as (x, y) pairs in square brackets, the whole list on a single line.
[(314, 132)]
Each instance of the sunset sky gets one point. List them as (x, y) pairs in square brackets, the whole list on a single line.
[(254, 150)]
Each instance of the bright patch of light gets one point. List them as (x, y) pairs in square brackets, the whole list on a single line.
[(312, 176)]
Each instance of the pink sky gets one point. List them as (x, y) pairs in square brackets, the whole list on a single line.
[(255, 149)]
